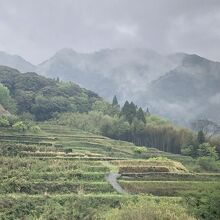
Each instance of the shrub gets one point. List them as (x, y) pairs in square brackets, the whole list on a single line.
[(148, 210), (35, 129), (4, 122), (206, 149), (208, 164), (19, 126), (68, 150), (204, 205), (140, 150), (202, 150), (12, 119)]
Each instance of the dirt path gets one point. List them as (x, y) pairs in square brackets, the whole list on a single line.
[(112, 179)]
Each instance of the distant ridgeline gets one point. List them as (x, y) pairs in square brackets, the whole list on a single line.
[(42, 98)]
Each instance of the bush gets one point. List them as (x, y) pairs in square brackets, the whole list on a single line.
[(140, 150), (204, 205), (208, 164), (12, 119), (205, 150), (148, 210), (68, 150), (19, 126), (35, 129), (4, 122)]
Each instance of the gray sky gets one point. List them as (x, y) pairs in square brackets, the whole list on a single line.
[(36, 29)]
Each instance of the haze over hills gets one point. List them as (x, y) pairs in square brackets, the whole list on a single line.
[(179, 86), (190, 91), (16, 62)]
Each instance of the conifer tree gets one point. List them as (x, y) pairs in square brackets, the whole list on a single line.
[(129, 111), (140, 115), (201, 137), (124, 109), (115, 101)]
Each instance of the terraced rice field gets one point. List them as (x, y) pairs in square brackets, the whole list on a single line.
[(68, 169)]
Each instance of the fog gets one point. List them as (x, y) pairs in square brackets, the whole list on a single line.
[(37, 29)]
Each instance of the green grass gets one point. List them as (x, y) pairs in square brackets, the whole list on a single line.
[(57, 187), (160, 176), (168, 188)]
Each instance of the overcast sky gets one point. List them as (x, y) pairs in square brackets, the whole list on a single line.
[(36, 29)]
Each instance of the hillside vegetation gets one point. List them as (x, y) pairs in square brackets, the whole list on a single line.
[(61, 173), (34, 97), (65, 153), (41, 97)]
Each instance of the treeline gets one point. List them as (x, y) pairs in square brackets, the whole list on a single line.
[(132, 124), (40, 98)]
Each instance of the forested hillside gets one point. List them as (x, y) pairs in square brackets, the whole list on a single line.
[(37, 98), (42, 98)]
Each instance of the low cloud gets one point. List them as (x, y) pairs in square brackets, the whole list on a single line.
[(37, 29)]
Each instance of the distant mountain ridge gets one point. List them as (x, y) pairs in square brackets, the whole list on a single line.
[(191, 90), (179, 86), (16, 62)]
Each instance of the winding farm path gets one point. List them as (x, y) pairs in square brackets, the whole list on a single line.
[(112, 179)]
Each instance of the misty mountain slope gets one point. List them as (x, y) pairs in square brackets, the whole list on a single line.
[(108, 72), (16, 62), (190, 91), (179, 86)]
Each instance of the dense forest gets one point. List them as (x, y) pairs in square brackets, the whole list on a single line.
[(41, 97)]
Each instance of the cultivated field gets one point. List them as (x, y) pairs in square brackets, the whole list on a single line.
[(61, 172)]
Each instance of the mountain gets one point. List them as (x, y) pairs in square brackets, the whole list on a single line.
[(179, 86), (123, 72), (190, 91), (16, 62)]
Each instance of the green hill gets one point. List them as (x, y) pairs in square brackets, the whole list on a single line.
[(43, 97)]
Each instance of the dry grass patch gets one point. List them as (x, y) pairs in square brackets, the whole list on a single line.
[(151, 165)]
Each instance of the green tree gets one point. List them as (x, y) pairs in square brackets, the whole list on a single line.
[(140, 115), (5, 99), (115, 101), (45, 108), (201, 137), (100, 106), (205, 204), (129, 111), (205, 150), (138, 132), (25, 100), (124, 109), (121, 130)]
